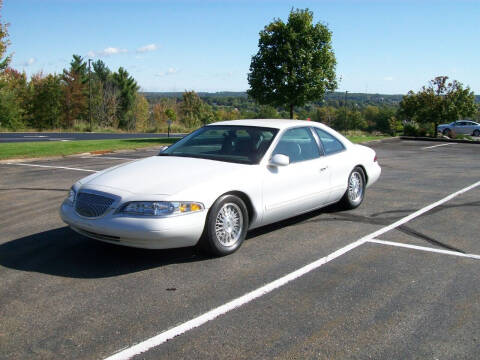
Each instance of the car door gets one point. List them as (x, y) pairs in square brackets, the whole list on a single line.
[(300, 186), (469, 127), (338, 161), (461, 127)]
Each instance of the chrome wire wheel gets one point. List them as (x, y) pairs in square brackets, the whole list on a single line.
[(229, 224), (355, 187)]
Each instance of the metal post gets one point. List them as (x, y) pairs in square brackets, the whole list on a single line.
[(345, 106), (90, 94)]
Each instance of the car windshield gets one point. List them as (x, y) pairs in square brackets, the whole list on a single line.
[(239, 144)]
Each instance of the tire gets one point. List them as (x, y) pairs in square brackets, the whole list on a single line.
[(226, 226), (355, 193), (447, 132), (476, 133)]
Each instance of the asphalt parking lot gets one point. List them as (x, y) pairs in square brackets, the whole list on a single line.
[(397, 278)]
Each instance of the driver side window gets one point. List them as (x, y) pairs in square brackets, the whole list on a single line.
[(298, 144)]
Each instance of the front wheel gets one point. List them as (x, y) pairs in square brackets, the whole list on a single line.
[(226, 226), (447, 132), (355, 193), (476, 133)]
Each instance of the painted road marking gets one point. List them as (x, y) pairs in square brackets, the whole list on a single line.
[(53, 167), (434, 146), (424, 248), (159, 339)]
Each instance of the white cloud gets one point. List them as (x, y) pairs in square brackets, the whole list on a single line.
[(388, 78), (107, 52), (170, 71), (147, 48), (30, 61)]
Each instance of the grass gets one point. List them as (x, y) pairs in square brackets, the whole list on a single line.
[(62, 148), (364, 138)]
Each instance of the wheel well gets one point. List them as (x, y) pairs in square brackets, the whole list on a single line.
[(364, 172), (246, 200)]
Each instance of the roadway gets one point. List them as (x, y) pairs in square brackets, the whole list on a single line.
[(393, 279)]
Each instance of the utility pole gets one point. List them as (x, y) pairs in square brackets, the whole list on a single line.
[(90, 93), (345, 106)]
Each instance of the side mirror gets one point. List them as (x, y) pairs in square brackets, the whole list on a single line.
[(279, 160), (162, 149)]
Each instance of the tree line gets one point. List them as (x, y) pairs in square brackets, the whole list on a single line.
[(291, 76)]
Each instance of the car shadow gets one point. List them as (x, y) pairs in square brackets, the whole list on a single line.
[(62, 252)]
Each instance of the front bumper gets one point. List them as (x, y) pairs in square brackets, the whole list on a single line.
[(142, 232)]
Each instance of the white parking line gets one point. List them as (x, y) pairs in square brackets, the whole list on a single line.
[(434, 146), (242, 300), (424, 248), (53, 167)]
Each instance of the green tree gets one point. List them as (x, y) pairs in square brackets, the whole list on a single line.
[(4, 60), (128, 88), (295, 62), (325, 114), (46, 102), (440, 101), (194, 111), (140, 112)]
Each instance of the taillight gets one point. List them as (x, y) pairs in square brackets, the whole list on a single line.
[(375, 158)]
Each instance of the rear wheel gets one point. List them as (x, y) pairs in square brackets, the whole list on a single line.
[(355, 193), (226, 226)]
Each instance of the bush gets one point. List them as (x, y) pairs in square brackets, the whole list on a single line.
[(410, 129)]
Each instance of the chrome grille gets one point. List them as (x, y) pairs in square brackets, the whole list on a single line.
[(92, 205)]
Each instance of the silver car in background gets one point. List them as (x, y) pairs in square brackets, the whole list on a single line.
[(464, 127)]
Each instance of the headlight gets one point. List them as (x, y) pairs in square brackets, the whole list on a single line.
[(160, 208), (71, 196)]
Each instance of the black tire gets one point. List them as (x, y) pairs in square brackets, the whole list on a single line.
[(476, 133), (230, 212), (354, 197), (447, 132)]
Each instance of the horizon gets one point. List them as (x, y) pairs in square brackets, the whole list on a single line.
[(386, 48)]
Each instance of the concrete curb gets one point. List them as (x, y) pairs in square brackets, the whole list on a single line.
[(460, 141)]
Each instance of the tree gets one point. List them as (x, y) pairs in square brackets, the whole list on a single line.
[(325, 114), (75, 101), (46, 102), (295, 62), (4, 62), (140, 112), (440, 101), (194, 111), (128, 88)]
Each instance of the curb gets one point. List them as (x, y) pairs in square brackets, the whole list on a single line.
[(448, 140)]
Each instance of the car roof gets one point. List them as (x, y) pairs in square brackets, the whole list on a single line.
[(271, 123)]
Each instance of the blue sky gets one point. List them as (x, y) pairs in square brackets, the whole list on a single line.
[(381, 46)]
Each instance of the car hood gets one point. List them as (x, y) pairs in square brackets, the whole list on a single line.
[(161, 175)]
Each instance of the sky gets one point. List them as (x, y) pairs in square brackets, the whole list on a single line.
[(387, 47)]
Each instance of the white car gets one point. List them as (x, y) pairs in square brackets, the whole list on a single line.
[(220, 181)]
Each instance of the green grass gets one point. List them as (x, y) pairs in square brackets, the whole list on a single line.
[(61, 148), (364, 138)]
